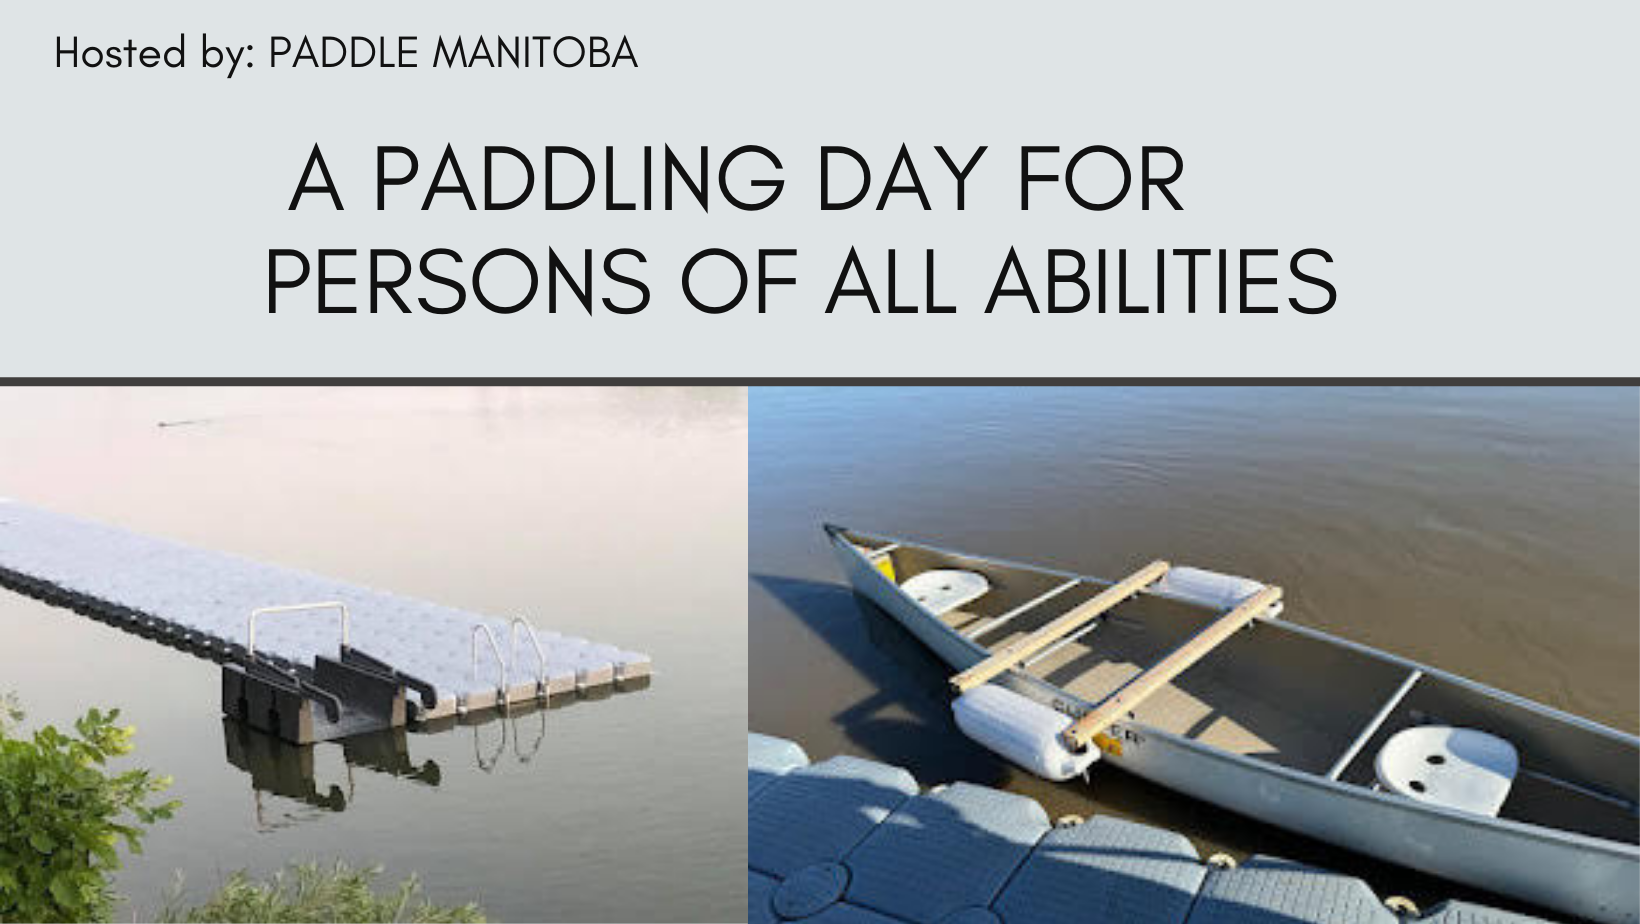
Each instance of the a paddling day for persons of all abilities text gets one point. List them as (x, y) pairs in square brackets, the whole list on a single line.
[(748, 179)]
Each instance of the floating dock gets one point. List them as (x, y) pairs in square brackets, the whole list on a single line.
[(304, 656), (850, 841)]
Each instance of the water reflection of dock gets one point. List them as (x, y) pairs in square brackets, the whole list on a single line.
[(288, 771)]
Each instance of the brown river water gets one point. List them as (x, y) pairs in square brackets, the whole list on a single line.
[(1494, 533), (615, 514)]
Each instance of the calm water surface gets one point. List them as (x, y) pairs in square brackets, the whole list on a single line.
[(615, 514), (1493, 533)]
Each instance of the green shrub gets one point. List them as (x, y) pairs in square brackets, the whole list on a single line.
[(62, 814), (11, 712), (308, 892)]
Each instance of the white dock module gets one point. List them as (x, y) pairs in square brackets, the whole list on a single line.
[(203, 600)]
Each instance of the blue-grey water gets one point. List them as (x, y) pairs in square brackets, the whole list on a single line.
[(616, 514), (1491, 532)]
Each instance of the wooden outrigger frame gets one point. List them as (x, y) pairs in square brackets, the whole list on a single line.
[(1005, 659), (1125, 699), (1096, 720)]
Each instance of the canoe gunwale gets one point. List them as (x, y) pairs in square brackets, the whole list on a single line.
[(1062, 698)]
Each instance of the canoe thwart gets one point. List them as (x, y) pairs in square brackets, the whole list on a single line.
[(985, 628), (1004, 659), (1378, 720), (1124, 700)]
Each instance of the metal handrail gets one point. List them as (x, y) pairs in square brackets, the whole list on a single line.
[(495, 647), (540, 655), (250, 623)]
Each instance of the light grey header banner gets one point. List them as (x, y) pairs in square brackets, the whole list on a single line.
[(739, 190)]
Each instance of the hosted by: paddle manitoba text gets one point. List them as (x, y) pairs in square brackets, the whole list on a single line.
[(331, 51)]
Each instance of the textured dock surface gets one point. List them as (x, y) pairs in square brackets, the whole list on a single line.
[(849, 841), (200, 600)]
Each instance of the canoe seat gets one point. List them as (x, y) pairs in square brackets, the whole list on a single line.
[(1458, 768), (944, 589)]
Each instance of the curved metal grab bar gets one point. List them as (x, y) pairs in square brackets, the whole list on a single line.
[(495, 647), (540, 655), (250, 623)]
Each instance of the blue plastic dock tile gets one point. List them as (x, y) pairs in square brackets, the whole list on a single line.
[(767, 758), (819, 813), (1456, 912), (972, 855), (945, 851), (811, 890), (850, 914), (1266, 889), (759, 890), (1105, 869)]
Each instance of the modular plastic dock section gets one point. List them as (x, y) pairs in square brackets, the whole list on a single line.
[(850, 841), (349, 648)]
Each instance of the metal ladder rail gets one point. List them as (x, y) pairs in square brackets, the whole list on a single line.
[(500, 661), (519, 622)]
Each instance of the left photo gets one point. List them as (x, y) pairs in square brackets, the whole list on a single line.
[(358, 653)]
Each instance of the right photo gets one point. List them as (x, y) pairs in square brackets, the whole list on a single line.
[(1194, 654)]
